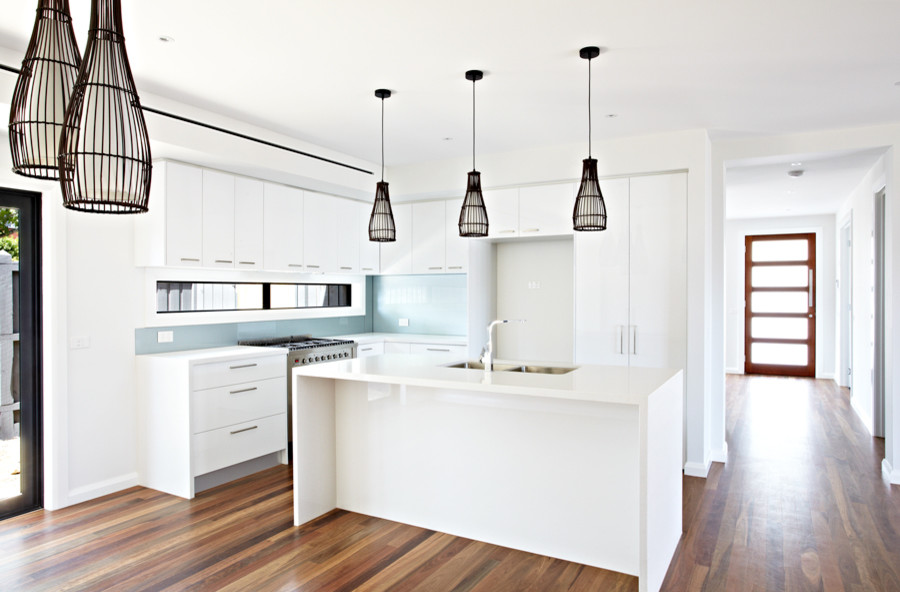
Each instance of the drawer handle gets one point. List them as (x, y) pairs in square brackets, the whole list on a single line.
[(368, 268), (430, 268), (295, 265), (311, 266), (366, 349), (437, 349), (243, 430), (455, 267), (190, 259), (506, 232), (246, 390), (532, 230), (247, 262), (242, 366), (224, 261), (347, 268)]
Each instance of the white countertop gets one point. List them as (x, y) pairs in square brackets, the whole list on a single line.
[(606, 384), (223, 354), (405, 338)]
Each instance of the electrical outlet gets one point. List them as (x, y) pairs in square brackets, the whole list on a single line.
[(534, 285), (165, 336), (80, 343), (404, 322)]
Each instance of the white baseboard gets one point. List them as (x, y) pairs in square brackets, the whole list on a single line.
[(826, 376), (734, 370), (891, 474), (95, 490), (861, 414), (721, 455), (695, 469)]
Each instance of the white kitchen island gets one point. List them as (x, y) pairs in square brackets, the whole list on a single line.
[(583, 466)]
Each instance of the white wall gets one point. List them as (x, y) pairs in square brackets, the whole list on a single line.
[(883, 136), (860, 207), (826, 292), (687, 150)]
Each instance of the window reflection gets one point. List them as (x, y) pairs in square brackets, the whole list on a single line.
[(224, 296)]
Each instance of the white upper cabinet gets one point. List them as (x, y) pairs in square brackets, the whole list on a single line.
[(396, 257), (369, 251), (348, 236), (248, 223), (457, 247), (319, 233), (502, 207), (218, 219), (429, 241), (184, 215), (546, 209), (282, 228)]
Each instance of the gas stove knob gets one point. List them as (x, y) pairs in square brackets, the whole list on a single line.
[(317, 358)]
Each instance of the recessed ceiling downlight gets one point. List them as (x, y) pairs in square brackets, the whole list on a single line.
[(166, 39), (796, 173)]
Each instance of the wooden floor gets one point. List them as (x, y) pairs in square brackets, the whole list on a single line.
[(800, 506)]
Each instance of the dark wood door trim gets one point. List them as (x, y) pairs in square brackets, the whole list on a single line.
[(810, 314)]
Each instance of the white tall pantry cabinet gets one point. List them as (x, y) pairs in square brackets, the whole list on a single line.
[(630, 280)]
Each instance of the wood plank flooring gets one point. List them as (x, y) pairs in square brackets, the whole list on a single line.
[(800, 506)]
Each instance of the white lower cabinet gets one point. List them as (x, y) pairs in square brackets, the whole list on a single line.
[(364, 350), (437, 348), (206, 410), (393, 347)]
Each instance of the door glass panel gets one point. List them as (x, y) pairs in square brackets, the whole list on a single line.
[(780, 354), (10, 412), (781, 250), (769, 328), (782, 276), (779, 302)]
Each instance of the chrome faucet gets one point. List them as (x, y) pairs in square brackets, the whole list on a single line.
[(487, 352)]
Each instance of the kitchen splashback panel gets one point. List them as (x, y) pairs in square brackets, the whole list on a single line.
[(433, 304)]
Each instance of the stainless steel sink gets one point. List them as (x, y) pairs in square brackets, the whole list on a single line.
[(527, 369)]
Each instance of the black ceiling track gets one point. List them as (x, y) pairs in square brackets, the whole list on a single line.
[(232, 133)]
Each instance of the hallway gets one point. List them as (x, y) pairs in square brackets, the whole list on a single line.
[(800, 505)]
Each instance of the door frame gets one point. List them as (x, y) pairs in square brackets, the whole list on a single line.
[(809, 370), (30, 354)]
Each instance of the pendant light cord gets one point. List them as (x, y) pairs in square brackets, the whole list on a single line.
[(589, 108), (473, 125), (382, 139)]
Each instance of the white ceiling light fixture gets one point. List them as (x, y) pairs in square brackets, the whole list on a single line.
[(590, 209)]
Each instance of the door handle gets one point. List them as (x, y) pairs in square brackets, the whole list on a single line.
[(810, 288)]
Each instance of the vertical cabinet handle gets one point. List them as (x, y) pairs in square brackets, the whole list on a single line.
[(620, 333), (633, 339)]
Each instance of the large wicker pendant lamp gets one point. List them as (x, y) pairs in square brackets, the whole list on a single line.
[(473, 218), (590, 209), (104, 151), (42, 92), (381, 222)]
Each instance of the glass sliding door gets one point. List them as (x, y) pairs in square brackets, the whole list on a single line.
[(780, 305), (21, 480)]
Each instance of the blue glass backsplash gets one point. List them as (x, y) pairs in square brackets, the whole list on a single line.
[(434, 304)]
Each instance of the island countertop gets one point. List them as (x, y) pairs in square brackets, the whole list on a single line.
[(601, 384)]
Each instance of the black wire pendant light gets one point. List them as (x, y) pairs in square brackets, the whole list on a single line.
[(473, 218), (42, 92), (104, 151), (381, 222), (590, 209)]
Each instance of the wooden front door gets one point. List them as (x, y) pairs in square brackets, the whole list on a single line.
[(780, 304)]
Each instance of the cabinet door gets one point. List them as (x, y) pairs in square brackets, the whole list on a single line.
[(457, 247), (283, 228), (369, 251), (503, 212), (184, 215), (248, 223), (546, 209), (319, 233), (218, 219), (370, 349), (657, 334), (348, 236), (601, 284), (396, 257), (429, 242), (391, 347)]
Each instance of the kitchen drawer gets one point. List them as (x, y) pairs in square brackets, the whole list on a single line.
[(217, 449), (435, 348), (227, 405), (396, 347), (364, 350), (204, 376)]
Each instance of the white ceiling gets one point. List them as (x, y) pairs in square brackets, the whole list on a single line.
[(309, 68), (762, 188)]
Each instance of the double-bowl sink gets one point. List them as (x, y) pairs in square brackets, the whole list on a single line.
[(525, 368)]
